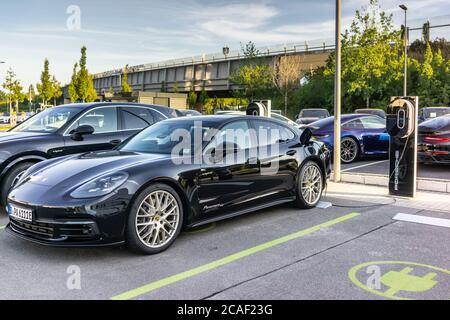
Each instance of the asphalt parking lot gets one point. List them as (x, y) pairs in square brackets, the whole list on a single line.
[(381, 166), (277, 253)]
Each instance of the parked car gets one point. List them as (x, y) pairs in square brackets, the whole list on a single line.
[(372, 111), (307, 116), (273, 115), (285, 119), (189, 113), (5, 118), (428, 113), (361, 136), (434, 141), (69, 129), (143, 194)]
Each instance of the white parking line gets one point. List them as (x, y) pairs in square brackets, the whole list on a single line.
[(423, 220), (364, 165)]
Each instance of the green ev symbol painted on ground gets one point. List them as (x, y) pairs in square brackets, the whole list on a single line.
[(402, 280)]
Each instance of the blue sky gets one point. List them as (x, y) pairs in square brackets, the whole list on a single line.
[(137, 31)]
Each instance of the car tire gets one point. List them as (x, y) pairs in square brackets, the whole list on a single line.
[(350, 146), (146, 220), (11, 178), (310, 184)]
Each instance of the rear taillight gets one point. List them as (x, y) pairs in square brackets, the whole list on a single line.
[(435, 139)]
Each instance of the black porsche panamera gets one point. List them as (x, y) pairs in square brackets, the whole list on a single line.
[(178, 173)]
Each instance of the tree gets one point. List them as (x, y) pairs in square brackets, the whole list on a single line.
[(433, 81), (163, 86), (91, 92), (45, 87), (286, 76), (371, 63), (254, 76), (14, 90), (192, 99), (126, 88), (317, 91), (175, 87), (82, 87), (83, 78), (56, 89), (73, 86), (8, 85), (31, 95), (203, 97), (249, 50), (3, 96)]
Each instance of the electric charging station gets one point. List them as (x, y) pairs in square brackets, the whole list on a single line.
[(401, 125), (261, 108)]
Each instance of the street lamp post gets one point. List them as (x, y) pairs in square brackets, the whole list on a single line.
[(226, 51), (405, 39), (337, 98)]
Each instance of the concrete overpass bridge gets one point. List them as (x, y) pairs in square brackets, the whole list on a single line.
[(209, 71)]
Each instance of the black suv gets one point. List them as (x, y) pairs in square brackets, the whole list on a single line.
[(68, 129)]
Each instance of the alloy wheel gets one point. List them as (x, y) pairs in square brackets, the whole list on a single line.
[(157, 219), (311, 184), (349, 150)]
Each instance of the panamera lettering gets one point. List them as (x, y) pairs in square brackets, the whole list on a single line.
[(216, 206)]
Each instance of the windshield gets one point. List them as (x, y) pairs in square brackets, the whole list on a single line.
[(314, 114), (434, 113), (167, 136), (49, 120)]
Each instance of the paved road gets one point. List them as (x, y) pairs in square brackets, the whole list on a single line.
[(247, 257), (381, 166)]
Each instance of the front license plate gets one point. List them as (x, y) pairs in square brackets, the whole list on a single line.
[(20, 213)]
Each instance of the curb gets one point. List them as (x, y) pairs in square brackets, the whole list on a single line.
[(423, 184)]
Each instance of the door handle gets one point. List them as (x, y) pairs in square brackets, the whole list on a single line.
[(291, 152), (115, 142)]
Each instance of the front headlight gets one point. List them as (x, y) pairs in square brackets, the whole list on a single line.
[(100, 186)]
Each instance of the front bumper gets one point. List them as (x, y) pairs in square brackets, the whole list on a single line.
[(71, 227)]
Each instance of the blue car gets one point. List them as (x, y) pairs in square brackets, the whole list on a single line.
[(362, 135)]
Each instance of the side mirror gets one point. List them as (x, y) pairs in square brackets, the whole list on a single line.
[(306, 136), (78, 133)]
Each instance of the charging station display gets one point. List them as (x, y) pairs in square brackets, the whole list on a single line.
[(260, 108), (401, 125)]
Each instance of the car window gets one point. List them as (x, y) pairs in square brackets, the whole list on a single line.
[(49, 120), (269, 133), (354, 124), (157, 116), (136, 118), (373, 123), (168, 137), (237, 133), (101, 119)]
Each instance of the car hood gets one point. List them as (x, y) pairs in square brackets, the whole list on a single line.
[(11, 136), (79, 169)]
